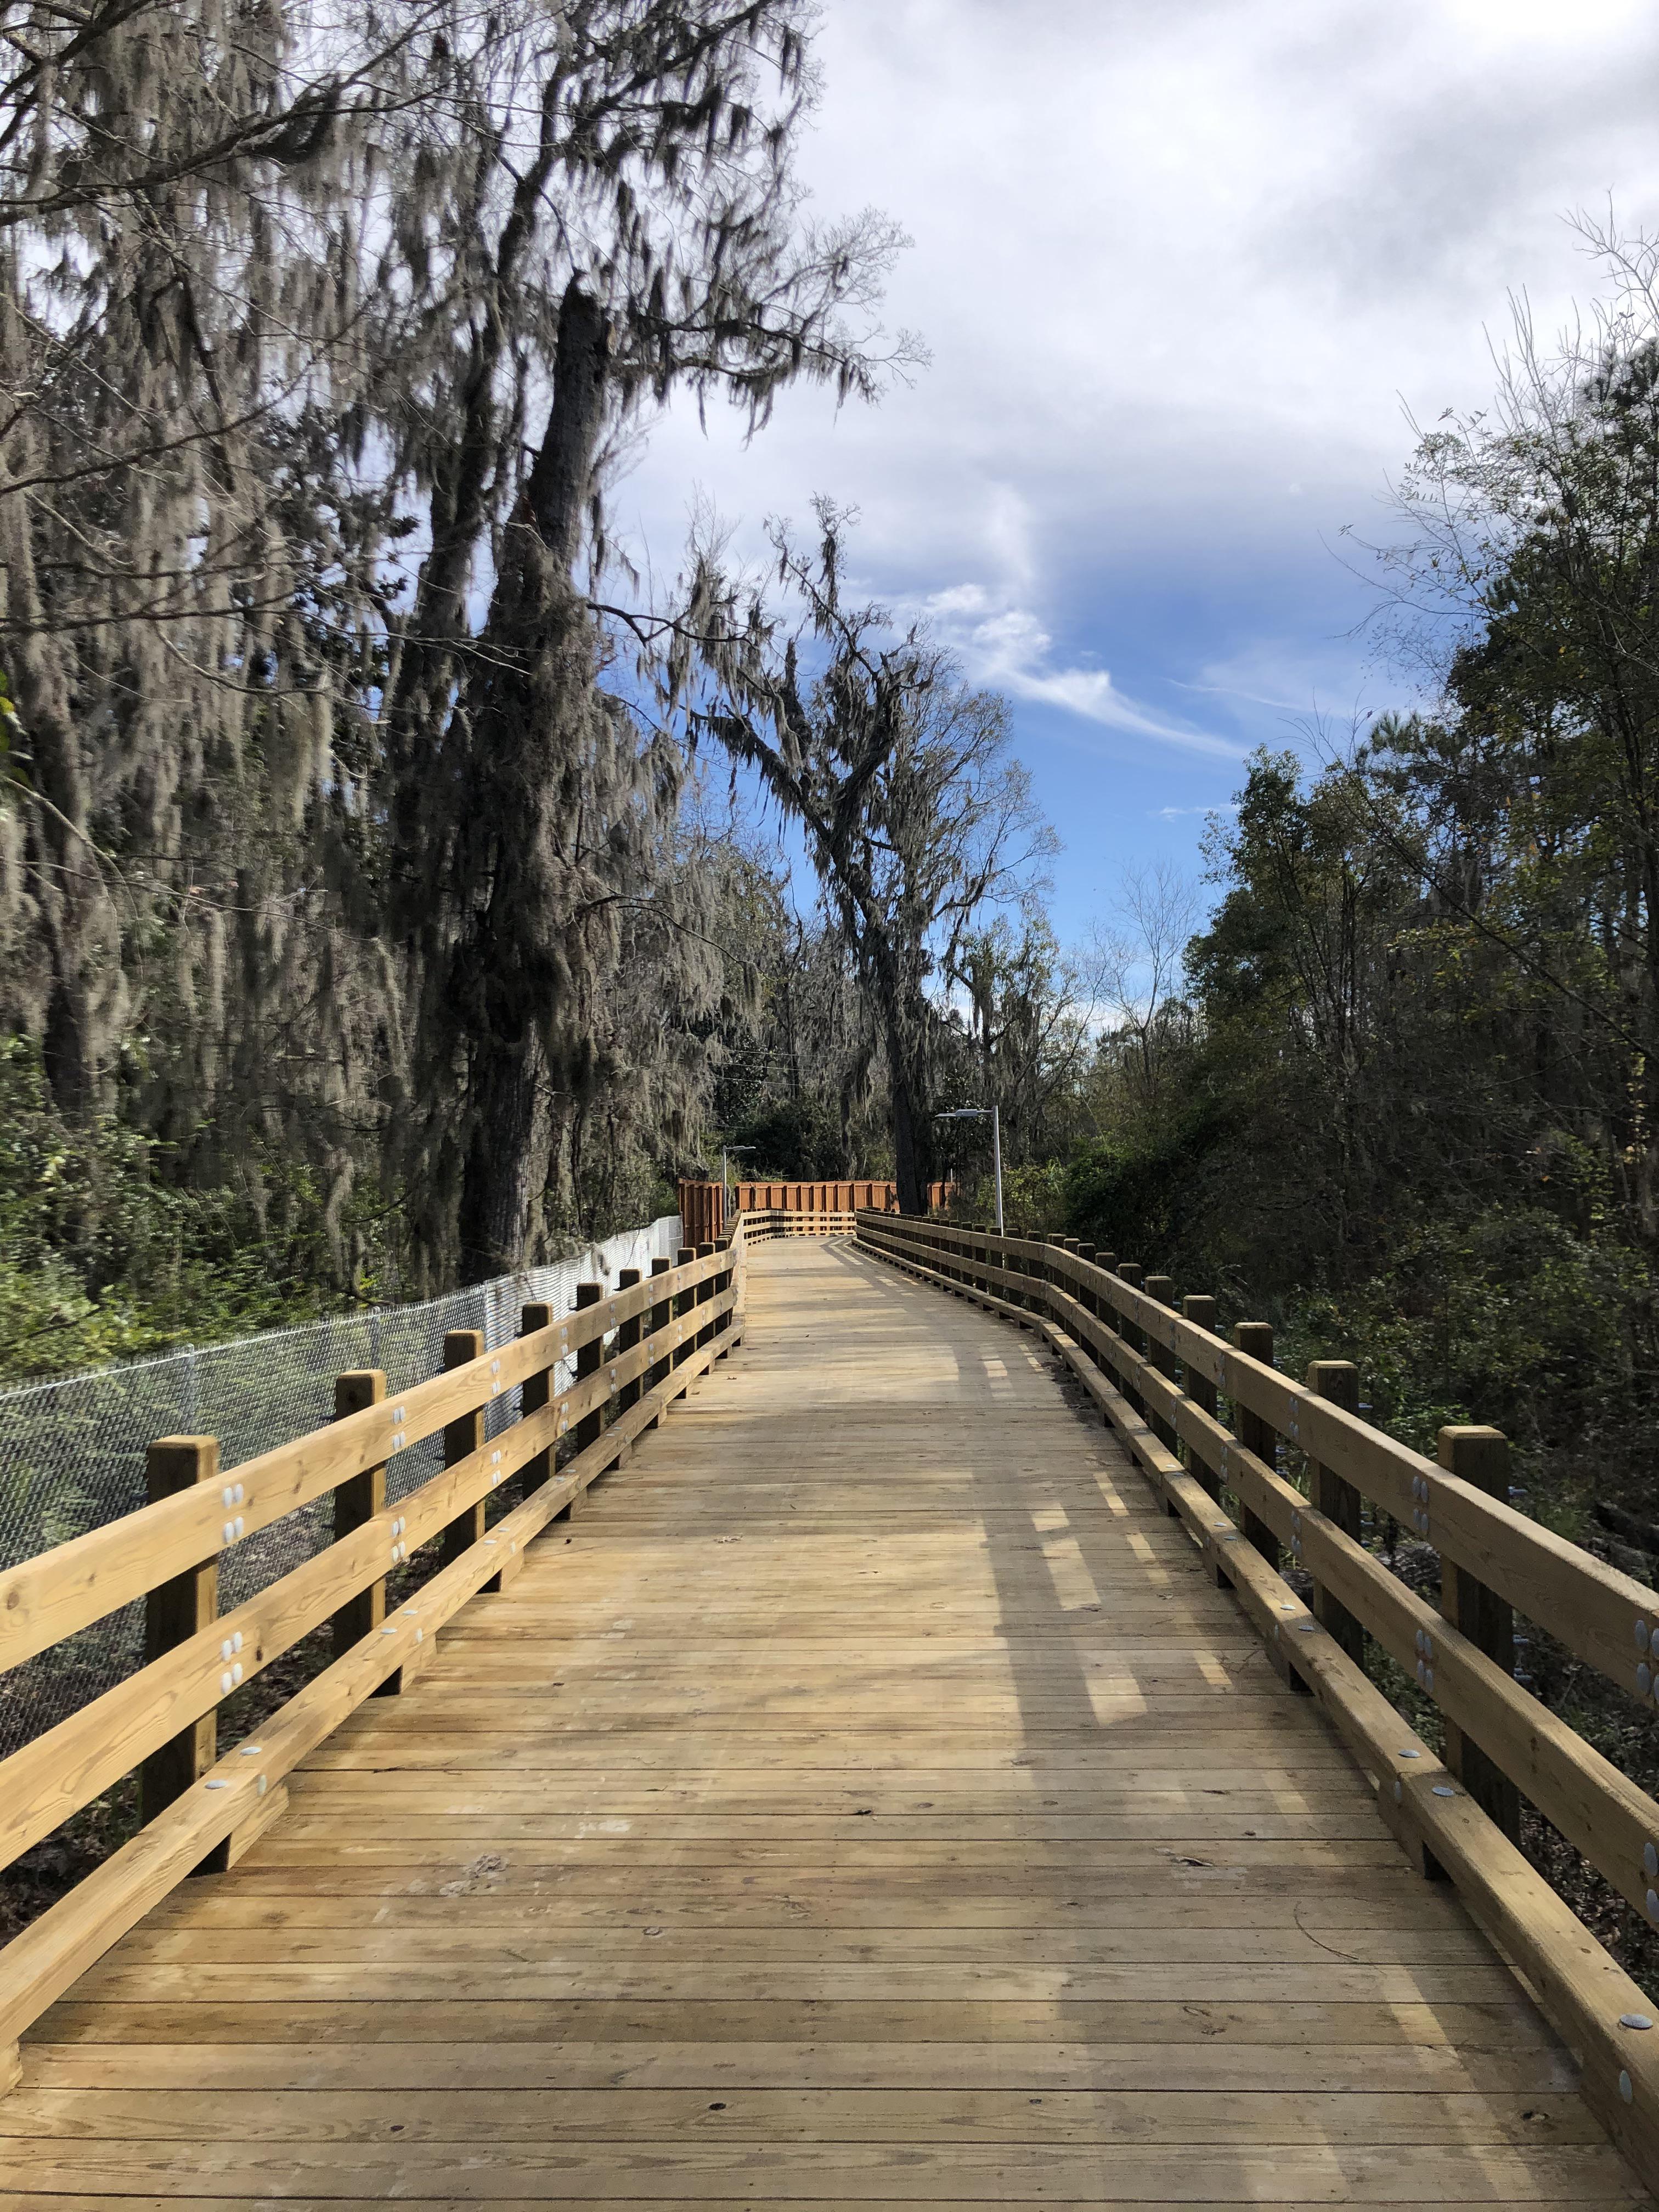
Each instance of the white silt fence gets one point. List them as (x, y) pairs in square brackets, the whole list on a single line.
[(72, 1452)]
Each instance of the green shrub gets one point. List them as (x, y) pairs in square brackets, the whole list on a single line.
[(100, 1259)]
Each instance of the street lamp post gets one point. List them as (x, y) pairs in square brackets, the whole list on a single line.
[(983, 1114), (736, 1151)]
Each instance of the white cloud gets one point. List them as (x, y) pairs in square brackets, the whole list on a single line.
[(1007, 649), (1179, 267)]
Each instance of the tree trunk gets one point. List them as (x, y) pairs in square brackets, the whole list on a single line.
[(82, 1009), (508, 1161), (562, 475), (528, 713), (912, 1131)]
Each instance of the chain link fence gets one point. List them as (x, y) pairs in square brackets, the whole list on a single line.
[(72, 1452)]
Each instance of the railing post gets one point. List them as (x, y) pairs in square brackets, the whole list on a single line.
[(537, 1392), (1481, 1457), (358, 1500), (684, 1301), (1129, 1273), (1086, 1297), (1339, 1501), (1201, 1311), (1062, 1283), (1256, 1339), (174, 1611), (704, 1293), (1093, 1302), (1162, 1359), (588, 1359), (1105, 1311), (661, 1314), (461, 1437), (628, 1337)]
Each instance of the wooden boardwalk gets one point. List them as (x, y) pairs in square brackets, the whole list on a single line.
[(865, 1800)]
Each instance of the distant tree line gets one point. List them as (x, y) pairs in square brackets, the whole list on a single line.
[(1405, 1093)]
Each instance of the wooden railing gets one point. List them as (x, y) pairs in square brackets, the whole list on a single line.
[(781, 1221), (634, 1351), (703, 1205), (844, 1197), (1160, 1376)]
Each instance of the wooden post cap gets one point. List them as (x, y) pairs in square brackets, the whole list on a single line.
[(1161, 1287), (357, 1388), (1476, 1455), (175, 1463), (1199, 1308), (1337, 1380)]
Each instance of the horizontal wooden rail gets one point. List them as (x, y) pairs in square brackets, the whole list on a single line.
[(47, 1598), (1596, 2006), (780, 1221), (696, 1309)]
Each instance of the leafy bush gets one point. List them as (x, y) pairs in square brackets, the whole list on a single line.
[(102, 1260), (794, 1140), (1137, 1191)]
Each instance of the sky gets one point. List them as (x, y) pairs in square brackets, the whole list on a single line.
[(1184, 269)]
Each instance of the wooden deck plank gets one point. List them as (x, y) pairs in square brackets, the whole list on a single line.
[(1032, 2067), (1244, 2172), (1511, 2024), (866, 1802), (32, 2201), (1210, 2117)]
